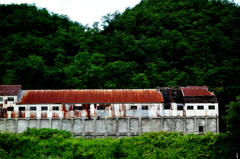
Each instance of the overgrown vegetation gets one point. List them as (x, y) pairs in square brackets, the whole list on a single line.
[(50, 143)]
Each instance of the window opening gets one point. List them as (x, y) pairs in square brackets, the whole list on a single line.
[(179, 107), (33, 108), (10, 99), (1, 99), (21, 108), (1, 105), (189, 107), (100, 107), (44, 108), (166, 106), (9, 108), (78, 108), (133, 107), (200, 107), (211, 107), (1, 109), (200, 129), (55, 108), (144, 107)]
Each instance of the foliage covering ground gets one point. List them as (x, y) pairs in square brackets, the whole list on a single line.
[(52, 143)]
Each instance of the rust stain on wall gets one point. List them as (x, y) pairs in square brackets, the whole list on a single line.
[(184, 112), (21, 114), (5, 113), (13, 114), (113, 113), (77, 113), (55, 115), (43, 114), (33, 114)]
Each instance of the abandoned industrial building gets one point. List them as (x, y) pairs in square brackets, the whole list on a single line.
[(110, 112)]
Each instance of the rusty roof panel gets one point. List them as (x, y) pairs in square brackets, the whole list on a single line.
[(9, 89), (196, 91), (91, 96)]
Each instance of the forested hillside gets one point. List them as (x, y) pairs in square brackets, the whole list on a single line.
[(156, 43)]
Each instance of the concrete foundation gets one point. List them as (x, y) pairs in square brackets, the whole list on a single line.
[(115, 127)]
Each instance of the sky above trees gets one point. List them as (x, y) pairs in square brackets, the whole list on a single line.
[(85, 12)]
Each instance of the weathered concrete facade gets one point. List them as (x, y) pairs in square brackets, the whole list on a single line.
[(115, 127)]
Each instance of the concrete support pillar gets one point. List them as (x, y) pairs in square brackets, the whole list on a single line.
[(72, 125), (150, 124), (106, 126), (195, 124), (140, 125), (83, 134), (16, 125), (217, 124), (173, 125), (27, 122), (38, 124), (4, 129), (61, 124), (206, 124), (50, 122), (94, 127), (184, 125), (117, 127), (128, 127), (162, 126)]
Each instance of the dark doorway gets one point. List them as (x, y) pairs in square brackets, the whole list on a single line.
[(200, 129)]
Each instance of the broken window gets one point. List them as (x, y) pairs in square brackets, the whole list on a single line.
[(211, 107), (144, 107), (33, 108), (9, 108), (78, 108), (200, 107), (200, 129), (44, 108), (10, 99), (100, 107), (166, 106), (133, 107), (179, 107), (189, 107), (1, 99), (55, 108), (21, 108)]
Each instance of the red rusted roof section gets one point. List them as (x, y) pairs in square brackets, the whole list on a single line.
[(196, 91), (9, 89), (91, 96)]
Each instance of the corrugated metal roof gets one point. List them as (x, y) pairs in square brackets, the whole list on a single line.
[(91, 96), (9, 89), (196, 91)]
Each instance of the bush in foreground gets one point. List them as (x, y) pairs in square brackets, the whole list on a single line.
[(53, 143)]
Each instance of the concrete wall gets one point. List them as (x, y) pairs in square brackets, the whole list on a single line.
[(115, 127)]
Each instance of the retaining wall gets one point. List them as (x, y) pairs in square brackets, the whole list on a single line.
[(115, 127)]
